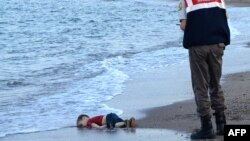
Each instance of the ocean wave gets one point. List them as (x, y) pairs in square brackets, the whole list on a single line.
[(72, 63)]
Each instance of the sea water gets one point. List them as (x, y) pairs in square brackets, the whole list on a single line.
[(61, 58)]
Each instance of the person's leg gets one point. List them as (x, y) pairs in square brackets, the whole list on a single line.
[(215, 91), (114, 121), (117, 121), (110, 121), (215, 70), (200, 78), (128, 123), (120, 124)]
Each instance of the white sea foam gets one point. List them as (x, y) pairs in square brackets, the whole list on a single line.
[(234, 31)]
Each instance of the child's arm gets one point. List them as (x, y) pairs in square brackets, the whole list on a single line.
[(97, 126)]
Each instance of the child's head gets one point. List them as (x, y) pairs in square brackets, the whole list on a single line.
[(82, 120)]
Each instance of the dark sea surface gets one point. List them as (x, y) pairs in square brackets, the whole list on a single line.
[(60, 58)]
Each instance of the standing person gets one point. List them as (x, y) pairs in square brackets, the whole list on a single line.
[(206, 33)]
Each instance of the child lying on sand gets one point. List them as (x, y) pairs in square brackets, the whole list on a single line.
[(104, 121)]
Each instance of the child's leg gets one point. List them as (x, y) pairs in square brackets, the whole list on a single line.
[(129, 123), (115, 121), (117, 118), (120, 124), (110, 121)]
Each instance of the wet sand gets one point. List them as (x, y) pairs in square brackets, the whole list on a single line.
[(174, 122), (73, 134), (182, 116)]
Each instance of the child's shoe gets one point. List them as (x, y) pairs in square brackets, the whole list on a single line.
[(132, 123)]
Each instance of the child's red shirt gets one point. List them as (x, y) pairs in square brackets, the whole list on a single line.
[(97, 120)]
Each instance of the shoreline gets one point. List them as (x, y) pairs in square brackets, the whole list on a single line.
[(175, 121), (181, 116), (177, 82), (153, 88), (137, 101)]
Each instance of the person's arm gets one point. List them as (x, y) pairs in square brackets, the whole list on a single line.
[(182, 14), (183, 24), (94, 125)]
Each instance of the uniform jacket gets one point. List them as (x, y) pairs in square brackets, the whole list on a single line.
[(206, 22)]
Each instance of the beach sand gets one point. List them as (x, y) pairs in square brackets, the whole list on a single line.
[(181, 115), (146, 95), (74, 134), (174, 122)]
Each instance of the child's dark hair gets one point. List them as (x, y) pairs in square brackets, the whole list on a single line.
[(79, 119)]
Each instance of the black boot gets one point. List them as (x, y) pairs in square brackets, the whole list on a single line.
[(206, 131), (220, 120)]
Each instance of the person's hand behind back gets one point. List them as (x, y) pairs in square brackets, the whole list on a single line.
[(183, 24)]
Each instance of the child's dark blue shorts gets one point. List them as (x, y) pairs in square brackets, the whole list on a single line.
[(112, 119)]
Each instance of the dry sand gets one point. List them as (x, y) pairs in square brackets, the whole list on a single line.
[(182, 115)]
